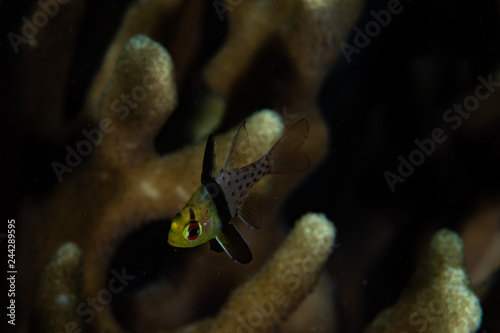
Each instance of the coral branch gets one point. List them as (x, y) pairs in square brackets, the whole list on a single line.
[(118, 182), (139, 97), (438, 298), (58, 291), (309, 31), (156, 19), (269, 297)]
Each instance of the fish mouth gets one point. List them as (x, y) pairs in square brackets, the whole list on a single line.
[(175, 241), (171, 241)]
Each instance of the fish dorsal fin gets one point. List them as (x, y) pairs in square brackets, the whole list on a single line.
[(250, 211), (238, 151), (234, 245), (209, 168)]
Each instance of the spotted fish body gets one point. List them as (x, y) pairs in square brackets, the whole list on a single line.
[(226, 195), (235, 183)]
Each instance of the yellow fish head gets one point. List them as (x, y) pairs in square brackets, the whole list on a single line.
[(194, 225)]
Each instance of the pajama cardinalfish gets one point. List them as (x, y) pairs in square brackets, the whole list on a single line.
[(225, 196)]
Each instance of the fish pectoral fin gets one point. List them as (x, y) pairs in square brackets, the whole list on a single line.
[(209, 168), (250, 211), (215, 246), (234, 245)]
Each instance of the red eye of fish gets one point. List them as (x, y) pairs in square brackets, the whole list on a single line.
[(193, 231)]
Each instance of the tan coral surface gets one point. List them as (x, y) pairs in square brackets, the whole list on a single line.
[(438, 299), (266, 300), (73, 231), (103, 196), (269, 296), (58, 291)]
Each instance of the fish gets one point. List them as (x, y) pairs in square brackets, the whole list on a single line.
[(225, 196)]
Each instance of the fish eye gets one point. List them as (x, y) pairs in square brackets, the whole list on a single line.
[(193, 230)]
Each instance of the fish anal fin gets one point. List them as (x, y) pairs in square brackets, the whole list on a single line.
[(250, 211), (285, 156), (215, 246), (237, 154), (235, 246), (209, 168)]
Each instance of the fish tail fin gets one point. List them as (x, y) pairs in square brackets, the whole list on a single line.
[(285, 156)]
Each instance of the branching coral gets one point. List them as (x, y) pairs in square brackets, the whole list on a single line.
[(58, 291), (264, 301), (438, 298), (482, 236), (125, 168), (275, 56), (114, 181), (258, 305), (124, 183)]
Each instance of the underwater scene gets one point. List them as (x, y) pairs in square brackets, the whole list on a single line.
[(250, 166)]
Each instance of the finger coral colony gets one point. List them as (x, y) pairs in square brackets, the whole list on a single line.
[(92, 242)]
